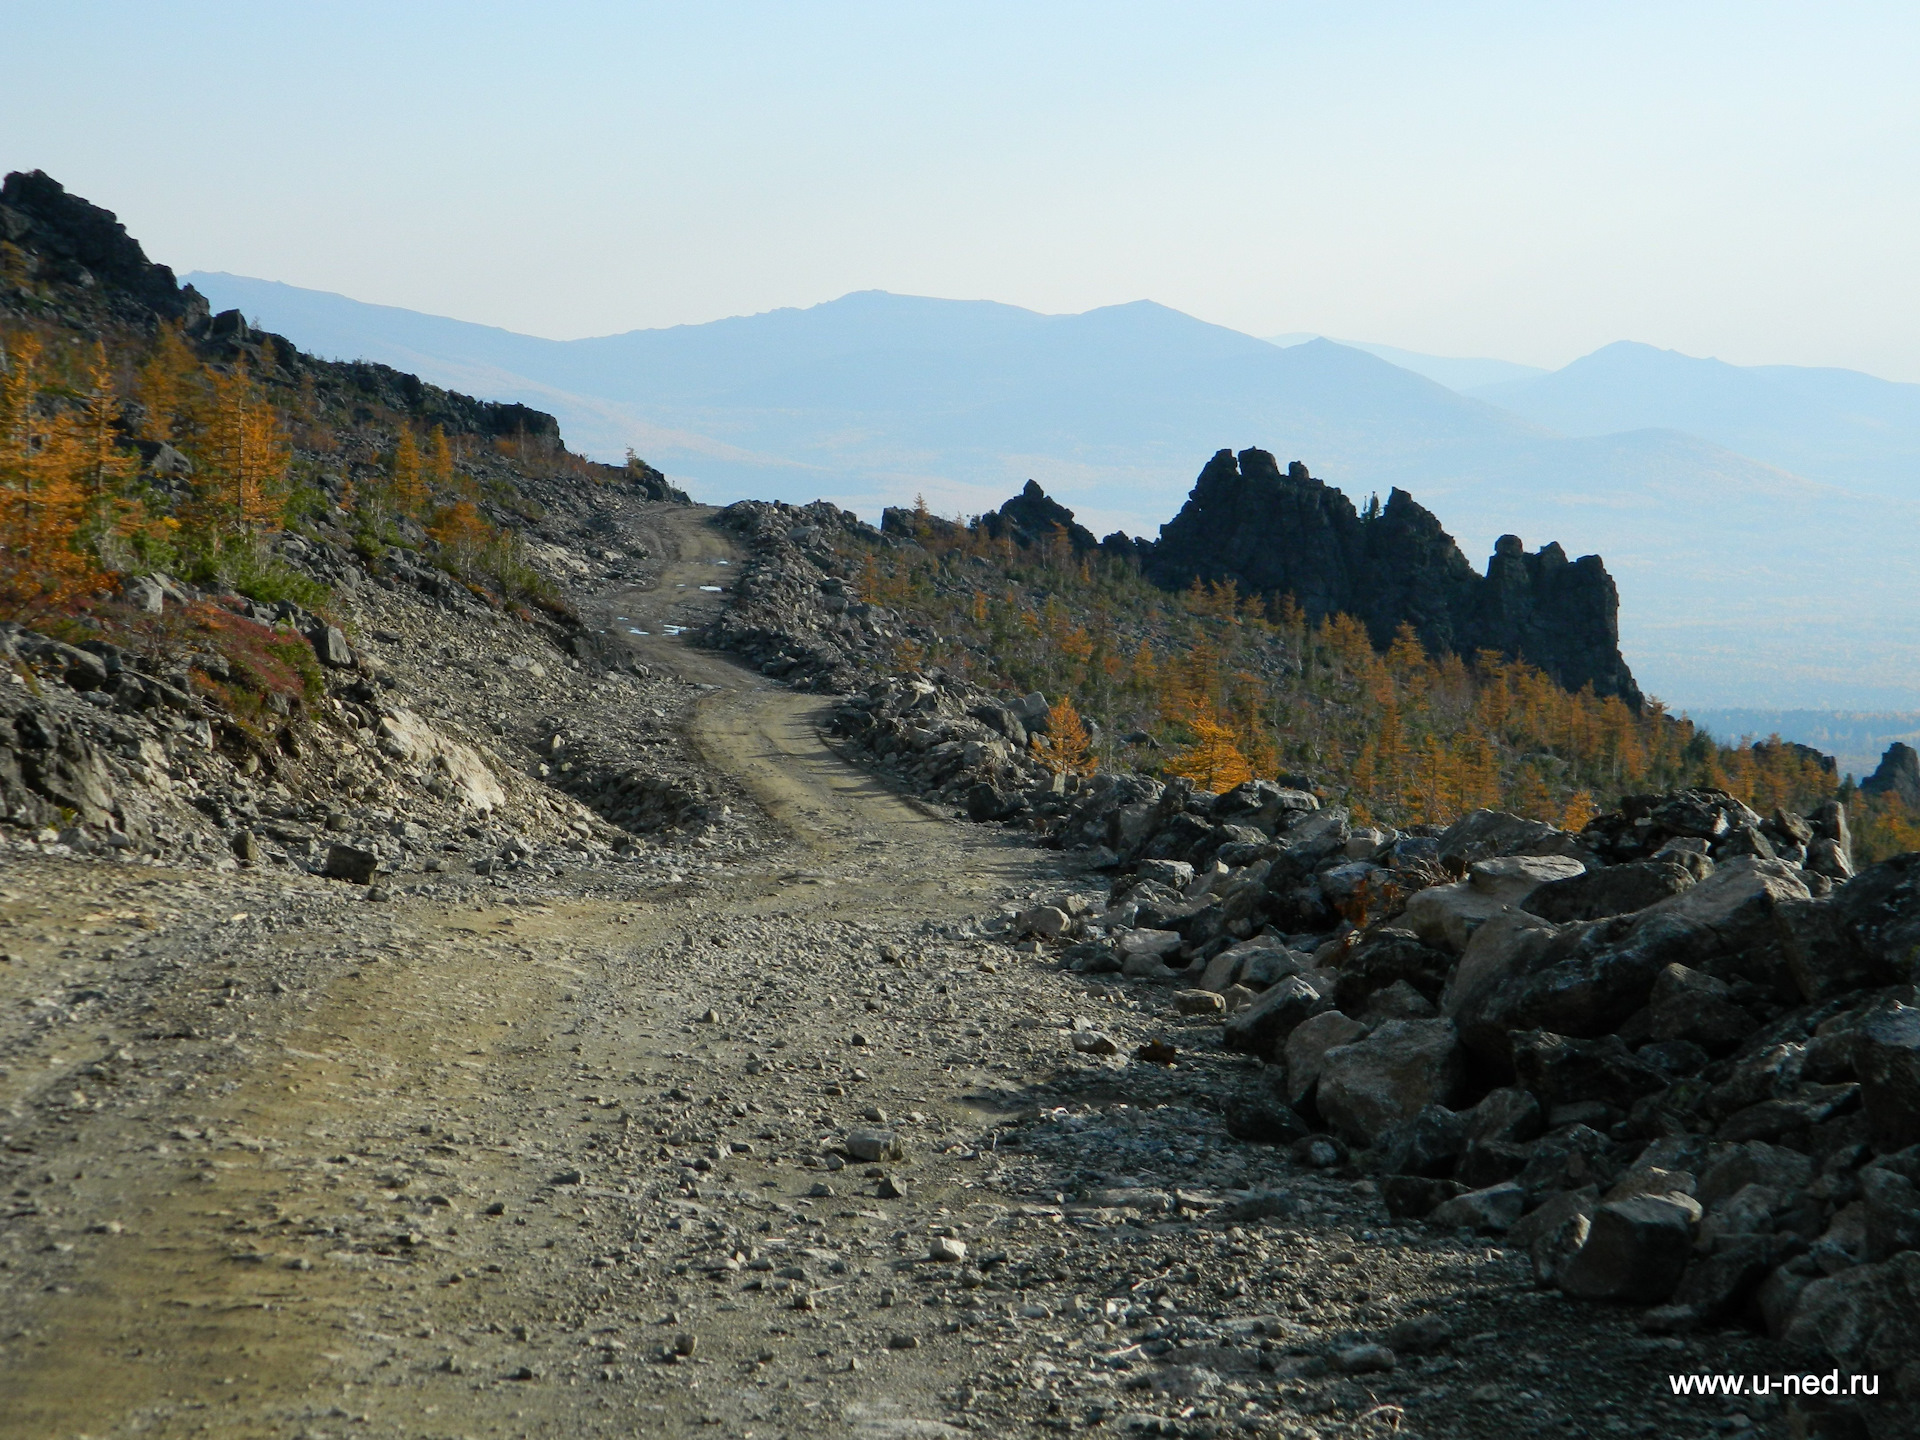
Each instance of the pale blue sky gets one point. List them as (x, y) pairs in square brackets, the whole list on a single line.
[(1525, 180)]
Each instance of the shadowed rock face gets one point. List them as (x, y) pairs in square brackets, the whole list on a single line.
[(1032, 517), (86, 245), (1898, 774), (1292, 534)]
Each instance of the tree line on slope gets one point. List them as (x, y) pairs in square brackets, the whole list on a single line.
[(132, 454), (1221, 687)]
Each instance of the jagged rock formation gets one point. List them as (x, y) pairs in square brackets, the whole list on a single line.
[(1032, 517), (1898, 774), (1293, 534), (67, 241)]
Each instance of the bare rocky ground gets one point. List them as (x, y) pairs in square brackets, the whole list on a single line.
[(765, 1130)]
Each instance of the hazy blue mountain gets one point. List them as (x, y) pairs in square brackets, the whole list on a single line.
[(1741, 583), (1838, 426), (1463, 373)]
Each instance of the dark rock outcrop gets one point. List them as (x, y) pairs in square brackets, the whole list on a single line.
[(1897, 775), (74, 250), (1032, 517), (78, 243), (1294, 535)]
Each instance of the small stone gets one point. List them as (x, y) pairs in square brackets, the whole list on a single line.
[(946, 1250), (347, 862), (1420, 1334), (889, 1189), (685, 1344), (820, 1190), (709, 1016), (1156, 1052), (872, 1145), (1198, 1002), (1364, 1359), (1092, 1042), (903, 1342)]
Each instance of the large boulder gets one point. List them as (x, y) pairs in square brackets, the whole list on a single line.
[(1521, 972), (1263, 1027), (1728, 924), (1386, 956), (1881, 909), (1636, 1250), (1376, 1084), (1449, 914), (1687, 1004), (1306, 1048), (1867, 1321), (1886, 1057), (1890, 1198), (1563, 1071), (1263, 804), (1613, 890), (1484, 834)]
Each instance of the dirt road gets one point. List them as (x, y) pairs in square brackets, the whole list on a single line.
[(581, 1159), (295, 1232)]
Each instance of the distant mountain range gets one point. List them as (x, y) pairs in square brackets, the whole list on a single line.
[(1755, 566)]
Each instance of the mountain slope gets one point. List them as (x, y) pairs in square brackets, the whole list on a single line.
[(1740, 582), (1465, 373), (1839, 426)]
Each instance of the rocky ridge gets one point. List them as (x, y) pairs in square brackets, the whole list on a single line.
[(1289, 534)]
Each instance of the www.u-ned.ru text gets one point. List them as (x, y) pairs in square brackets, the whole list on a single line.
[(1831, 1383)]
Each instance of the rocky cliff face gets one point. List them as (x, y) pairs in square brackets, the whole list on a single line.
[(1898, 775), (1291, 534), (68, 241)]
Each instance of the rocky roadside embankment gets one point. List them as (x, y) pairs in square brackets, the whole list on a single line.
[(1673, 1061)]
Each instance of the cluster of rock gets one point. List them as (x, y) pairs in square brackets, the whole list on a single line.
[(958, 744), (105, 751), (1897, 776), (1287, 533), (1676, 1056), (796, 611)]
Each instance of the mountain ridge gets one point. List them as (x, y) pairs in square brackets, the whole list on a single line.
[(1741, 582)]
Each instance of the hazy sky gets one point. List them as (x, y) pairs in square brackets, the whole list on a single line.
[(1528, 181)]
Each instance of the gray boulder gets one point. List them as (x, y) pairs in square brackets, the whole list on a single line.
[(348, 862), (1867, 1321), (1686, 1004), (1552, 1233), (1614, 890), (1491, 1211), (1636, 1250), (1886, 1056), (1561, 1070), (1306, 1048), (1263, 1027), (1376, 1084), (1484, 834), (330, 647)]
